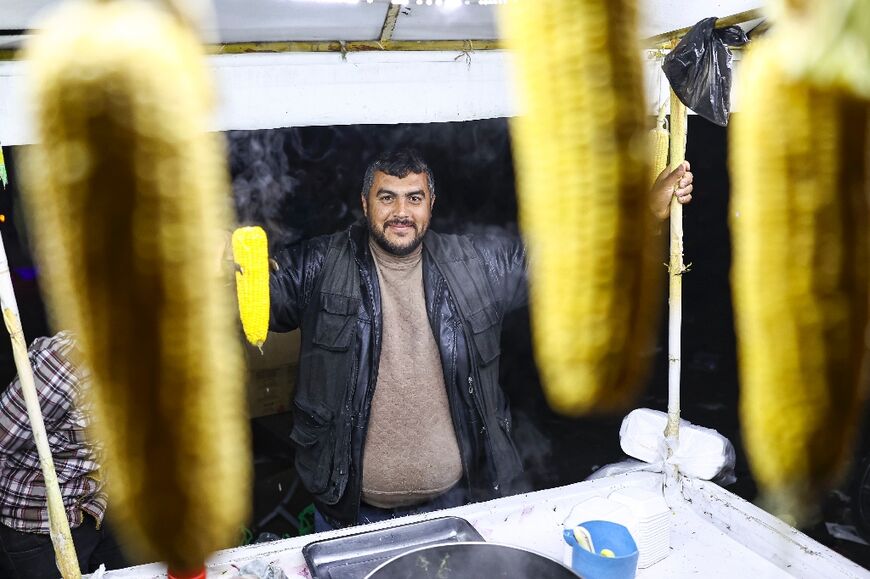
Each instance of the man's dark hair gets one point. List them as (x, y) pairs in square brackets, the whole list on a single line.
[(399, 164)]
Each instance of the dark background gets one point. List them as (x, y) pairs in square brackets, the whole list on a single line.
[(303, 182)]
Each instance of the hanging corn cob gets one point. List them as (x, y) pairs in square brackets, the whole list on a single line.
[(251, 254), (824, 43), (659, 143), (799, 173), (127, 196), (583, 174)]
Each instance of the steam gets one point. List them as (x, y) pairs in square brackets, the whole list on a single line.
[(305, 181), (263, 186)]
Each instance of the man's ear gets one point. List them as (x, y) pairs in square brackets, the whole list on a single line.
[(432, 203), (365, 205)]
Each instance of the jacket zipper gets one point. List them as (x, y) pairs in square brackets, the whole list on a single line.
[(469, 346), (365, 411), (452, 386)]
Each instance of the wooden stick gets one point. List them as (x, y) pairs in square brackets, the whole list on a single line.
[(264, 47), (676, 268), (390, 22), (64, 550), (674, 36)]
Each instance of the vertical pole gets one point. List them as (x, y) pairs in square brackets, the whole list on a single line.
[(64, 550), (675, 269)]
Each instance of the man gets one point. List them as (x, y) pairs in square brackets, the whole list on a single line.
[(398, 408), (24, 527)]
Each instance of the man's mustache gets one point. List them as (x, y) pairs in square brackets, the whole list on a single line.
[(405, 222)]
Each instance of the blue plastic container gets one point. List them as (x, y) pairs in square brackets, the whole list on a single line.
[(605, 535)]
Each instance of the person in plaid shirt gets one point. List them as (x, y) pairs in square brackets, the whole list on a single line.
[(24, 523)]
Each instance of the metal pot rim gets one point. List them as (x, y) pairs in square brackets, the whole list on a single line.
[(458, 543)]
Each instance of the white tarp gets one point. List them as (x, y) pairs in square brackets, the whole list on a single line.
[(263, 91), (260, 91)]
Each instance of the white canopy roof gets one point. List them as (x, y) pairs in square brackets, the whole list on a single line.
[(275, 20), (260, 91)]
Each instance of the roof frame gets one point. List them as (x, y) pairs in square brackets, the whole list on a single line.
[(664, 40), (671, 38)]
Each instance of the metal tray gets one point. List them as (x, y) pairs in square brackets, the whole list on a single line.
[(355, 556)]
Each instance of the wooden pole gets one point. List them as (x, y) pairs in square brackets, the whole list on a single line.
[(674, 36), (390, 22), (318, 46), (675, 269), (64, 550)]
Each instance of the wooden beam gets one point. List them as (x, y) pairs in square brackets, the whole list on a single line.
[(354, 46), (390, 22), (669, 39), (331, 46), (759, 30)]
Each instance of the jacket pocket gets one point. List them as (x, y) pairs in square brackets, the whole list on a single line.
[(486, 333), (313, 434), (336, 323)]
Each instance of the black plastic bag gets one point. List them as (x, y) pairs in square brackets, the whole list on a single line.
[(699, 69)]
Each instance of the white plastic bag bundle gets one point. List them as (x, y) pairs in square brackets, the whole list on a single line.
[(701, 453)]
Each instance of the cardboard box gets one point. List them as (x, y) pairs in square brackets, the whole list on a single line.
[(272, 374)]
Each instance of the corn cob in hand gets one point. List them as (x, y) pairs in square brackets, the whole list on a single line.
[(251, 254)]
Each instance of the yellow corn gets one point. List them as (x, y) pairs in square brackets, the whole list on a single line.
[(251, 254), (582, 160), (127, 196), (825, 43), (799, 226), (659, 142)]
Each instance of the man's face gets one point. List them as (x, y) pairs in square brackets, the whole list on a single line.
[(398, 211)]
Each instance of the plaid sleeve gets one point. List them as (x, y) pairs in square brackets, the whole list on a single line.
[(55, 380)]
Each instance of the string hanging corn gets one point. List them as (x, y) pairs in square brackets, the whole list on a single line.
[(582, 160), (799, 171), (127, 198), (251, 254)]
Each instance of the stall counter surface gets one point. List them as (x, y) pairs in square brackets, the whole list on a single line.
[(714, 534)]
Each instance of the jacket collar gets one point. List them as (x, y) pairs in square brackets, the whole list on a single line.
[(358, 237)]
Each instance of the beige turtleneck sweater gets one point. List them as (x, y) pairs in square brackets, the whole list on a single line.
[(411, 453)]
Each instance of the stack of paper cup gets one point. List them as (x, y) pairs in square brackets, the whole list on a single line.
[(651, 523)]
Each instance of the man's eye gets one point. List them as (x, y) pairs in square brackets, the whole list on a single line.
[(416, 199), (386, 199)]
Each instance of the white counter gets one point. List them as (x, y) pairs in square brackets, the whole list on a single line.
[(715, 534)]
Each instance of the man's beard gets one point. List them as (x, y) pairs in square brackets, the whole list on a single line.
[(380, 238)]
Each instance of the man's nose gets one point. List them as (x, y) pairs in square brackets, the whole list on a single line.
[(402, 207)]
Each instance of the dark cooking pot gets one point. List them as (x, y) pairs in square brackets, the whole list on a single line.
[(471, 561)]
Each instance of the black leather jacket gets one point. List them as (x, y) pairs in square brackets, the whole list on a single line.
[(328, 287)]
